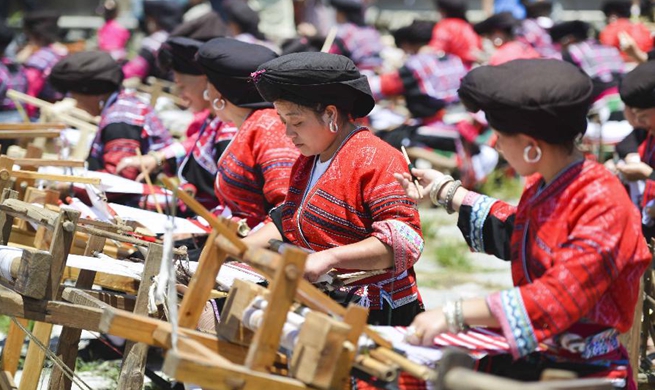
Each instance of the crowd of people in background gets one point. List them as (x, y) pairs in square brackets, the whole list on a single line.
[(298, 111)]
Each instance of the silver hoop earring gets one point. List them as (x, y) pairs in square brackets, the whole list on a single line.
[(216, 107), (205, 95), (526, 154), (101, 104), (333, 127), (498, 42)]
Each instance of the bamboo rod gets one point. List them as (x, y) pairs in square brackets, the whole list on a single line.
[(52, 177), (38, 162), (32, 126), (414, 369), (203, 212), (70, 120), (14, 134), (148, 181)]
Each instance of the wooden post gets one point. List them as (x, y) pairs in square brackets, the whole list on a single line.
[(631, 338), (202, 282), (6, 166), (134, 357), (33, 274), (35, 357), (70, 337), (21, 186), (282, 291), (356, 316), (13, 347), (62, 239), (6, 220)]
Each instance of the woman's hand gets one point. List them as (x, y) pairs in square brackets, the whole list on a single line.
[(426, 326), (147, 162), (318, 264), (425, 179), (635, 170)]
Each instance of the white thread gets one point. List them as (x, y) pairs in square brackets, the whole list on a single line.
[(7, 256)]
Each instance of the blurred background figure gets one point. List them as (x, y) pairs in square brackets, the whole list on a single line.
[(11, 77), (41, 53), (453, 34), (196, 9), (112, 36), (243, 24), (161, 16), (276, 18), (354, 39), (534, 29), (606, 68), (499, 31), (618, 13)]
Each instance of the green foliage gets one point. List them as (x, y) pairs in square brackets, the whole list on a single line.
[(501, 184), (453, 255), (4, 324)]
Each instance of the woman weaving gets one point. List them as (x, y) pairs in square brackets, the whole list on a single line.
[(573, 240), (343, 204)]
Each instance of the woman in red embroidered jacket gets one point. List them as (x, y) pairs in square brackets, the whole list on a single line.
[(573, 240), (343, 204), (194, 158), (127, 123), (637, 92), (253, 171)]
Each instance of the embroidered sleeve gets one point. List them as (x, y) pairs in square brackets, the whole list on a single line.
[(407, 243), (487, 224), (595, 275), (121, 140), (178, 150), (396, 221)]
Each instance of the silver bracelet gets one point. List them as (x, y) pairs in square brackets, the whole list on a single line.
[(450, 317), (450, 195), (459, 317), (436, 188)]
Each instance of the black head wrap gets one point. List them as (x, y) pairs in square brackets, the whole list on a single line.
[(246, 18), (167, 13), (503, 21), (228, 64), (545, 99), (43, 24), (620, 8), (419, 32), (576, 28), (203, 28), (536, 9), (6, 36), (302, 44), (453, 8), (179, 54), (313, 79), (353, 9), (637, 88), (87, 72)]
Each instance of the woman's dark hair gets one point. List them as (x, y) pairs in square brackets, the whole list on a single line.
[(452, 8)]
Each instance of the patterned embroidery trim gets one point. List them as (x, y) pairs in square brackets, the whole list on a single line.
[(520, 327), (479, 212)]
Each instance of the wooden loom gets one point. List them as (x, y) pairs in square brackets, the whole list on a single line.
[(80, 308), (75, 117)]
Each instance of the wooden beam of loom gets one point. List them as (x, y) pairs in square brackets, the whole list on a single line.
[(37, 162), (80, 119), (267, 261), (143, 329), (193, 363), (53, 177), (38, 215), (32, 126), (307, 293), (54, 312), (16, 134)]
